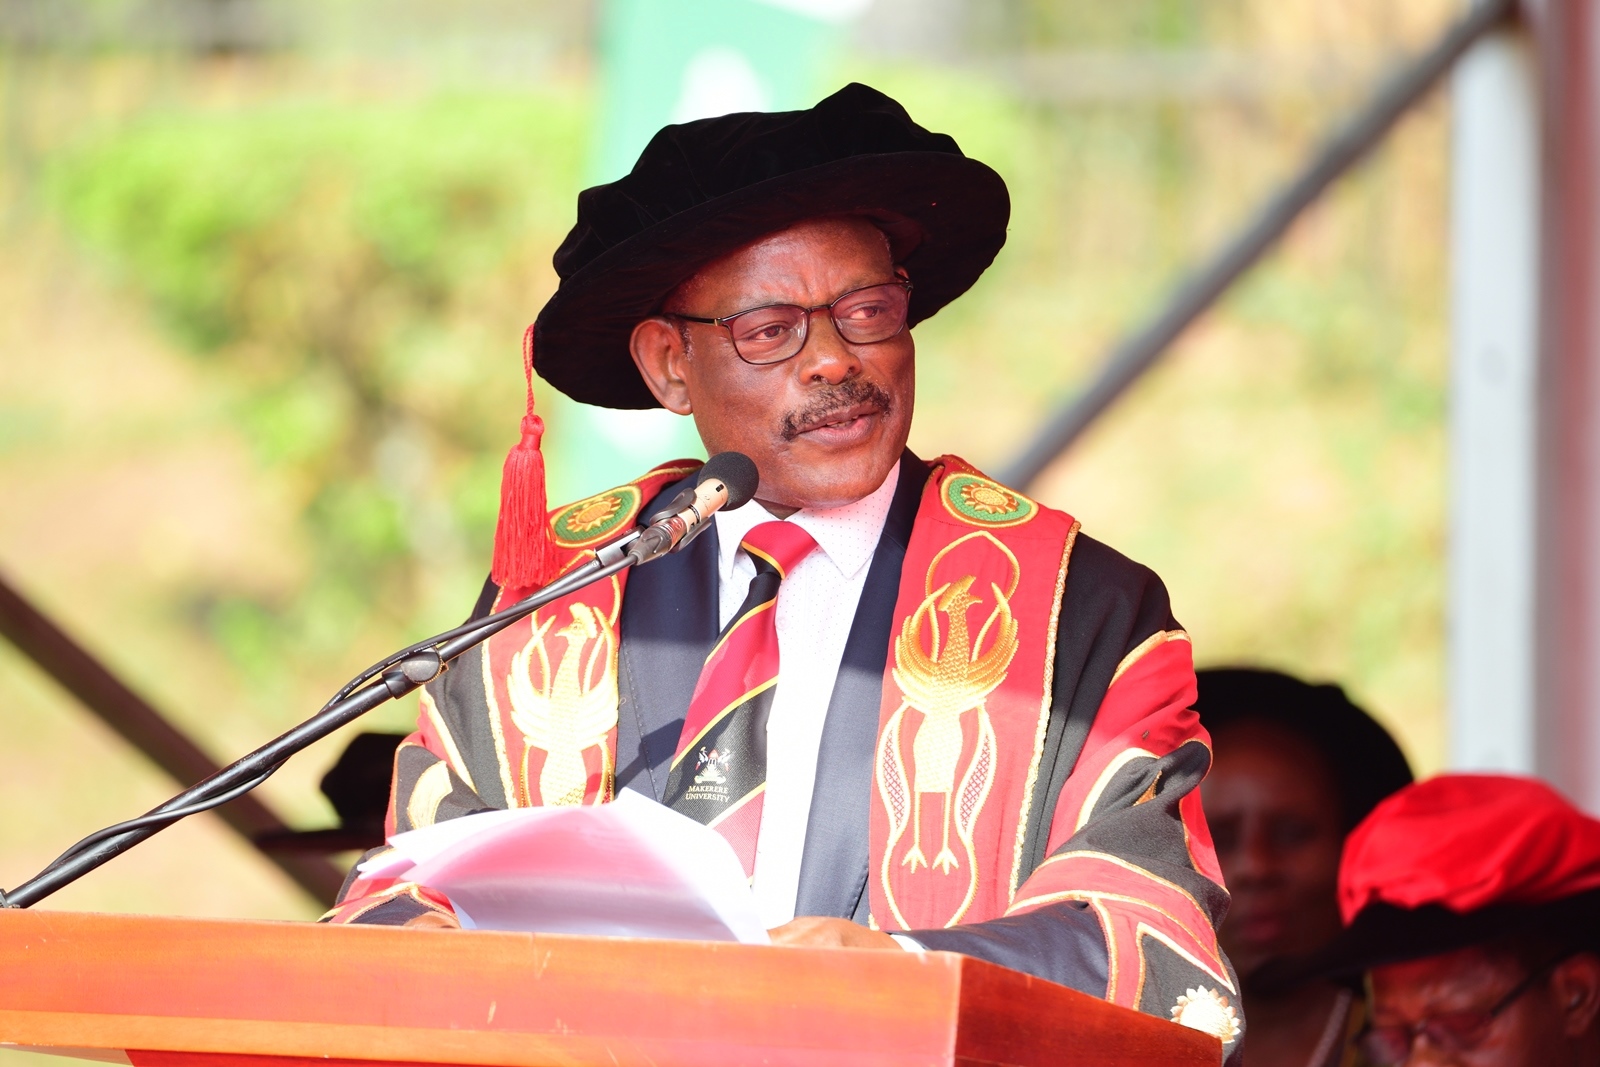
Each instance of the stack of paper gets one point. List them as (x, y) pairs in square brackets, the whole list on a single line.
[(631, 868)]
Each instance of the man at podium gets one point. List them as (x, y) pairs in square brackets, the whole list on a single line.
[(926, 712)]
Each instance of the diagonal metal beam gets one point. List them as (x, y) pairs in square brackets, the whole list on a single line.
[(1139, 351), (85, 677)]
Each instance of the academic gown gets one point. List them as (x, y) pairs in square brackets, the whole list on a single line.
[(1111, 609)]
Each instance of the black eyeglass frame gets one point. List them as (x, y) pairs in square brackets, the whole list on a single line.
[(1423, 1026), (805, 320)]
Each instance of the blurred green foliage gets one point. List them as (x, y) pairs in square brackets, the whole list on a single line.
[(331, 260), (1140, 23)]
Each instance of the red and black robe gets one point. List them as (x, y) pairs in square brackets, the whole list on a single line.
[(1081, 854)]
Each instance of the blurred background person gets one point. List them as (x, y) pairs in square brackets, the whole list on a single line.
[(1296, 767), (1473, 904)]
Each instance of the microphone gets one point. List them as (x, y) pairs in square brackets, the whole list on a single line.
[(728, 480)]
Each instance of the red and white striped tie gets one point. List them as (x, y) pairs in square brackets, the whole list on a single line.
[(719, 773)]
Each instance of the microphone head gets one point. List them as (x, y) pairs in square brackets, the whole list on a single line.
[(735, 470)]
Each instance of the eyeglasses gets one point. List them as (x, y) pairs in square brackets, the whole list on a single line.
[(773, 333), (1456, 1031)]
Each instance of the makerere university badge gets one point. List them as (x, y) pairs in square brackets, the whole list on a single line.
[(978, 500), (594, 519)]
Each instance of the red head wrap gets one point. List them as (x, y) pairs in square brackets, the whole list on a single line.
[(1470, 841)]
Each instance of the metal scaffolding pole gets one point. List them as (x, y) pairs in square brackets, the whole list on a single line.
[(142, 726), (1141, 350), (1567, 634)]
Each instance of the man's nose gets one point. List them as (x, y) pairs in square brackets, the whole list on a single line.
[(826, 359)]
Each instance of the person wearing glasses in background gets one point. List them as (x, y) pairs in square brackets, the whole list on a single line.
[(1472, 903), (926, 712), (1297, 767)]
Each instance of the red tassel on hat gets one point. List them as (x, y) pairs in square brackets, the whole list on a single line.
[(524, 551)]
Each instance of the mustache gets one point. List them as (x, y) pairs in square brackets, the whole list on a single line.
[(847, 394)]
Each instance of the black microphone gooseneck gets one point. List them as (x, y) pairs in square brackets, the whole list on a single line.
[(728, 480)]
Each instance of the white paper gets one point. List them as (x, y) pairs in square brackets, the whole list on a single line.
[(418, 846), (630, 868)]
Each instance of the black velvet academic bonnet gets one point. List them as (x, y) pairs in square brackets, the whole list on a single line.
[(706, 188), (1363, 759)]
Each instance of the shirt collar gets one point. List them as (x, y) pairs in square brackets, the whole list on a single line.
[(847, 535)]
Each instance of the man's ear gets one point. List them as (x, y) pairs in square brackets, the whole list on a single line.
[(662, 358), (1576, 985)]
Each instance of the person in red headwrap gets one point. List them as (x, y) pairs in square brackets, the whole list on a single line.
[(1472, 902)]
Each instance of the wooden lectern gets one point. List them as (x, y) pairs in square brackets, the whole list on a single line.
[(159, 992)]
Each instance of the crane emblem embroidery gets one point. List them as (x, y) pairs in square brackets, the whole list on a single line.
[(947, 678), (569, 710)]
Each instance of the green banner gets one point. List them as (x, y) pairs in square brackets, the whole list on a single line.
[(666, 61)]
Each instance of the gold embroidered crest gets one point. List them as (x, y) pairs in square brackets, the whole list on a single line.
[(593, 516), (571, 709), (944, 676), (988, 499), (593, 519), (981, 502), (942, 683)]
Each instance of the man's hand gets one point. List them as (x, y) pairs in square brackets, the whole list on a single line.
[(815, 932)]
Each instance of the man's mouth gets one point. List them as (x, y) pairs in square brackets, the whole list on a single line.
[(842, 418), (852, 418)]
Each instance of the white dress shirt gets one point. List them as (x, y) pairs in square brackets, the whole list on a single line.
[(816, 607)]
